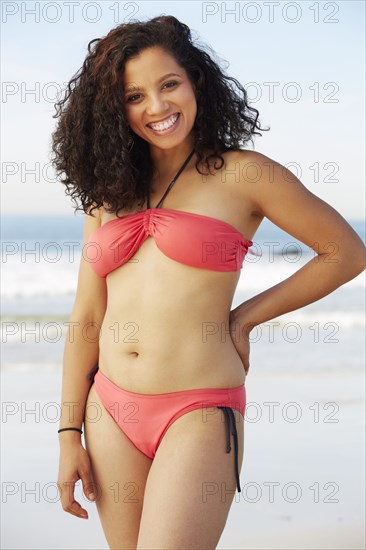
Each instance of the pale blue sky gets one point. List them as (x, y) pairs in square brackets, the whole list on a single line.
[(324, 59)]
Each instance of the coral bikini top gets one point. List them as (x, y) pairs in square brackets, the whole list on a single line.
[(188, 238)]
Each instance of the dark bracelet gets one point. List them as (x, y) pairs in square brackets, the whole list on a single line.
[(64, 429)]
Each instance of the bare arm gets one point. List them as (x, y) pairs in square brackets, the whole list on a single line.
[(284, 200), (80, 356), (82, 341)]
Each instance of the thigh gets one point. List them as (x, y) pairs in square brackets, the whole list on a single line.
[(191, 483), (119, 471)]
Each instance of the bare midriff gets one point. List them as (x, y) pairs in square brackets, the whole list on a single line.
[(166, 326)]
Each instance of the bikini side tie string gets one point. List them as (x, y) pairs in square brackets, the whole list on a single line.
[(230, 418)]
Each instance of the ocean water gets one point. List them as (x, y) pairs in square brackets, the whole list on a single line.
[(40, 259)]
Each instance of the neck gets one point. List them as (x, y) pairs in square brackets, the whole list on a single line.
[(167, 162)]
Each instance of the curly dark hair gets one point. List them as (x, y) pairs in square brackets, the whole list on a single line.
[(90, 141)]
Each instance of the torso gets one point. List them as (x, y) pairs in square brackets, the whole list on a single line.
[(166, 326)]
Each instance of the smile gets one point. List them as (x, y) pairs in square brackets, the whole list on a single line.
[(162, 127)]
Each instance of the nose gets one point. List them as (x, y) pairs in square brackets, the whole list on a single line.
[(156, 104)]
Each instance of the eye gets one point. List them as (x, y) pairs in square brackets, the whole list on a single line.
[(130, 98), (171, 82)]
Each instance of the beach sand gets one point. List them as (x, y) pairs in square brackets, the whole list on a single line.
[(302, 478)]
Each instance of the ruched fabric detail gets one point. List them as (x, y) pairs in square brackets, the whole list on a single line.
[(186, 237)]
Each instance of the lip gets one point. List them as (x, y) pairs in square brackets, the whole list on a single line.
[(169, 131), (162, 120)]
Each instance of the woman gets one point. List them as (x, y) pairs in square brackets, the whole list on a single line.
[(150, 138)]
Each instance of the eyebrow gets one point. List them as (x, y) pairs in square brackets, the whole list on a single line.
[(132, 88)]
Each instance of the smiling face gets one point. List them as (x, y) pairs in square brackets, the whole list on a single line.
[(160, 101)]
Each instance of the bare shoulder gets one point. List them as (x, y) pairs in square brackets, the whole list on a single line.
[(276, 193), (248, 166), (263, 179), (248, 170), (252, 165), (244, 155)]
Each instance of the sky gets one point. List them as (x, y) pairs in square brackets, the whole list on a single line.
[(302, 64)]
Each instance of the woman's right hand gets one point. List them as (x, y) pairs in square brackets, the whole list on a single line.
[(74, 464)]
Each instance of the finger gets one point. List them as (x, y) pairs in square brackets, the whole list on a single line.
[(69, 504), (88, 486), (76, 510)]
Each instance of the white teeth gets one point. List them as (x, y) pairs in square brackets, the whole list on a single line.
[(165, 125)]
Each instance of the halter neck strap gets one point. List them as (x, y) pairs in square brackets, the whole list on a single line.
[(171, 183)]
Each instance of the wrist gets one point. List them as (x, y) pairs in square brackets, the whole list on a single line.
[(245, 320), (69, 435), (67, 441)]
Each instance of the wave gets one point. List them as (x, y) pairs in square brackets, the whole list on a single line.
[(40, 277)]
